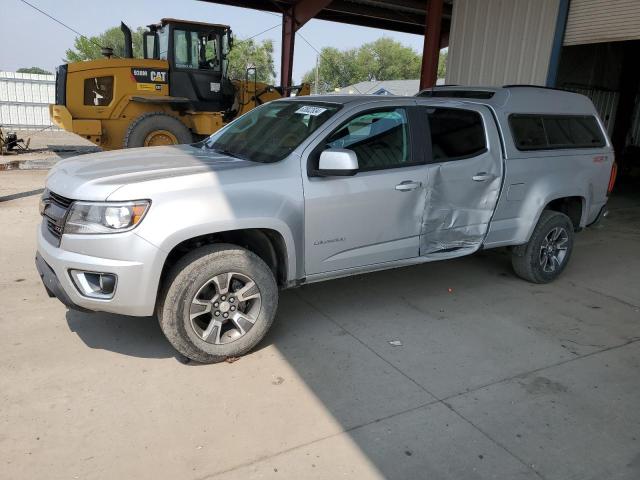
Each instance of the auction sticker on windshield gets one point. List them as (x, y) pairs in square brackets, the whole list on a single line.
[(309, 110)]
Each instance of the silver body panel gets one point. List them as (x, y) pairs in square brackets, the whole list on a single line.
[(331, 226)]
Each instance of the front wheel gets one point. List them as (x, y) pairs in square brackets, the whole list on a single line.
[(547, 253), (156, 129), (219, 302)]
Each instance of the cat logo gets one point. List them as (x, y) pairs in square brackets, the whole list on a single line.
[(158, 76), (146, 75)]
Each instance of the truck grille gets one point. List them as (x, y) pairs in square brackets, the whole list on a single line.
[(54, 212)]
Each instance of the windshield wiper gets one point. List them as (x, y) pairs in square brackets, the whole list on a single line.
[(229, 153)]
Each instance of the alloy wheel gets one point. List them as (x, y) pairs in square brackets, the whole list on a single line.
[(553, 249), (225, 308)]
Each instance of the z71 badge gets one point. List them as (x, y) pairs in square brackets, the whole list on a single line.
[(149, 75)]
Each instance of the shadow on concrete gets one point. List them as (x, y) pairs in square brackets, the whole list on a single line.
[(132, 336), (142, 337), (466, 327)]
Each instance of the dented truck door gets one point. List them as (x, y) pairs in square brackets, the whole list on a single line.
[(465, 169)]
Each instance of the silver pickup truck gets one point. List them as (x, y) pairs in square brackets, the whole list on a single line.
[(308, 189)]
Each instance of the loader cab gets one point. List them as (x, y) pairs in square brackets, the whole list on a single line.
[(197, 56)]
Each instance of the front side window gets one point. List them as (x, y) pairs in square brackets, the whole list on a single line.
[(455, 133), (271, 132), (186, 46), (380, 139), (98, 91), (194, 50), (540, 132)]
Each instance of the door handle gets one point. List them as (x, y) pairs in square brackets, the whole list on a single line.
[(408, 185), (482, 176)]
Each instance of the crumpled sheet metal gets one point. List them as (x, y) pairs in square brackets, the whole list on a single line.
[(448, 223)]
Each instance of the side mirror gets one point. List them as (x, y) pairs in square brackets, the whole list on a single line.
[(338, 162)]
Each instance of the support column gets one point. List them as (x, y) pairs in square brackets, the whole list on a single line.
[(288, 44), (431, 50), (558, 39), (292, 20)]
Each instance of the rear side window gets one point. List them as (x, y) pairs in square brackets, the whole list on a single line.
[(546, 132), (455, 133)]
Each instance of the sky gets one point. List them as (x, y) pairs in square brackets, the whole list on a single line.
[(28, 38)]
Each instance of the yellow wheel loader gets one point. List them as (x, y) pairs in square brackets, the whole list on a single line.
[(178, 93)]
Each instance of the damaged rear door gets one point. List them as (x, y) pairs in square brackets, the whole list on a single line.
[(465, 176)]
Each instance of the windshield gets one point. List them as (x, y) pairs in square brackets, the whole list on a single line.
[(271, 132)]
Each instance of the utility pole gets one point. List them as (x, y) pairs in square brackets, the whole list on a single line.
[(317, 73)]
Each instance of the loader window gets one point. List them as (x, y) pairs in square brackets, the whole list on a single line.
[(209, 58), (196, 50), (98, 91), (186, 47), (149, 45), (163, 43)]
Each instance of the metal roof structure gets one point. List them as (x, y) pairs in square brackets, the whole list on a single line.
[(406, 16), (431, 18)]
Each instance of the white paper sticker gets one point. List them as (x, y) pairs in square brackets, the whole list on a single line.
[(309, 110)]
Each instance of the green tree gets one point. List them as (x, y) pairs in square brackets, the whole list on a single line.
[(89, 48), (383, 59), (442, 63), (248, 53), (387, 59), (38, 70)]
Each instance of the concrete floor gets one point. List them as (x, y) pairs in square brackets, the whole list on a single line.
[(496, 378)]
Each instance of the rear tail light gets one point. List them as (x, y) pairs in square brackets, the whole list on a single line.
[(612, 178)]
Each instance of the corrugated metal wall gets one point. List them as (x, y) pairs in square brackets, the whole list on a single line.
[(498, 42), (25, 99), (634, 132), (594, 21)]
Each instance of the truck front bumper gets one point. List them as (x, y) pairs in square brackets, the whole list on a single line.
[(52, 284), (137, 277)]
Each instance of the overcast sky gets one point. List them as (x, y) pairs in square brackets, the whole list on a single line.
[(28, 38)]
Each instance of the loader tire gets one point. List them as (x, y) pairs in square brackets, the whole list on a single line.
[(155, 129)]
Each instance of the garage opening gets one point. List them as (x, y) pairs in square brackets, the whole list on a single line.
[(608, 74)]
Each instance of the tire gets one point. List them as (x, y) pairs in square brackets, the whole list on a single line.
[(192, 282), (528, 260), (168, 130)]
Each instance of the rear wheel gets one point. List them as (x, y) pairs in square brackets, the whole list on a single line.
[(219, 302), (155, 129), (546, 255)]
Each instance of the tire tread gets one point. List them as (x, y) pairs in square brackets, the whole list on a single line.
[(523, 262)]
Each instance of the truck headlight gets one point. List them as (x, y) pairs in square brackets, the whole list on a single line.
[(105, 217)]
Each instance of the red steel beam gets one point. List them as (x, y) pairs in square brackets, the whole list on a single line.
[(431, 50), (288, 43), (292, 20)]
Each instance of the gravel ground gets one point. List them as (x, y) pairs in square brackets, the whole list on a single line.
[(45, 149)]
